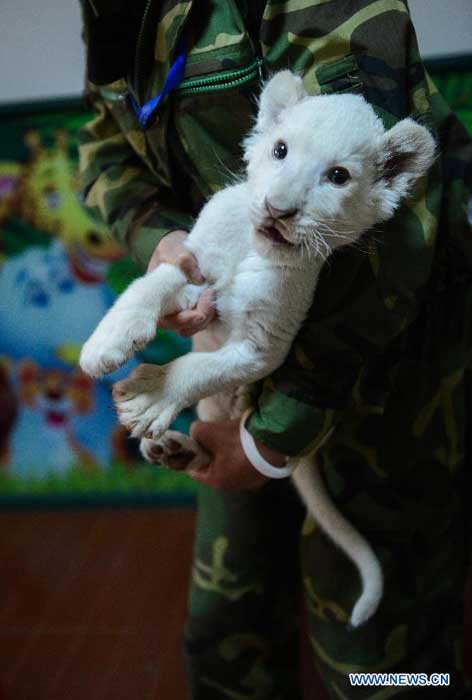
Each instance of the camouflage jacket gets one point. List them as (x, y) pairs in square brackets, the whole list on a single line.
[(145, 183)]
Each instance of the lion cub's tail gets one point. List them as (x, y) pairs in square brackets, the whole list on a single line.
[(310, 485)]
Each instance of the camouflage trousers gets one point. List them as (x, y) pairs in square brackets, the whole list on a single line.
[(403, 478), (256, 552)]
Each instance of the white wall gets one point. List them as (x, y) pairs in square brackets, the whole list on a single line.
[(41, 50), (444, 27)]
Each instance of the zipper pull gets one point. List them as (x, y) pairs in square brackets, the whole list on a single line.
[(94, 9), (173, 79), (260, 64)]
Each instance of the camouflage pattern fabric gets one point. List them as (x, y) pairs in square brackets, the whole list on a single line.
[(242, 635), (384, 354), (243, 631)]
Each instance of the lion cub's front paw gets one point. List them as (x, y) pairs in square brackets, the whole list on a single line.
[(174, 450), (115, 340), (145, 403)]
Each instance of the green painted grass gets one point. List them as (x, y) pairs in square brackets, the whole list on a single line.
[(116, 479)]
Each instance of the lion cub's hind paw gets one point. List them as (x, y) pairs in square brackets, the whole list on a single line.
[(144, 404), (174, 450)]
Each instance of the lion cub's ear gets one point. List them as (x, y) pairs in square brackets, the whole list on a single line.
[(407, 152), (283, 90)]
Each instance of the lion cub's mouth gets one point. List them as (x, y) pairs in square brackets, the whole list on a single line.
[(274, 235)]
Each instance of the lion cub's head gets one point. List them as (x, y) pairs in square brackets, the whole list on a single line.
[(322, 170)]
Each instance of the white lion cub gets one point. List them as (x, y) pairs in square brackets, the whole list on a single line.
[(320, 172)]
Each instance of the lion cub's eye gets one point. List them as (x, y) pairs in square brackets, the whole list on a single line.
[(280, 150), (338, 175)]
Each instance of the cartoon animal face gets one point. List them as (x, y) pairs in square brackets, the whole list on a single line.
[(49, 199), (323, 169), (57, 394), (43, 307), (37, 285)]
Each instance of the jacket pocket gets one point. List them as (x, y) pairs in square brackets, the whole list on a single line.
[(342, 75), (222, 80), (217, 40), (214, 105), (211, 125)]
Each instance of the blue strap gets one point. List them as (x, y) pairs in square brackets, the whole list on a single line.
[(173, 80)]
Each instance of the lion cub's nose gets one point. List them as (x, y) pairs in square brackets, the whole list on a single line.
[(279, 213)]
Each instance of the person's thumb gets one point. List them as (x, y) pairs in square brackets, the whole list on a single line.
[(204, 433)]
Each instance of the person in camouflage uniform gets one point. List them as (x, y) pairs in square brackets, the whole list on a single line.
[(384, 354)]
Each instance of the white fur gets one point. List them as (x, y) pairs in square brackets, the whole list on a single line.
[(264, 287), (310, 485)]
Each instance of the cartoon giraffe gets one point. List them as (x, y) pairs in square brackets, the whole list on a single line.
[(44, 192)]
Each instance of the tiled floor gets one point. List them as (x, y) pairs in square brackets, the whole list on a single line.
[(92, 604)]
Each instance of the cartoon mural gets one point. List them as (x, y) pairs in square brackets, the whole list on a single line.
[(45, 312), (59, 272), (45, 193), (47, 436)]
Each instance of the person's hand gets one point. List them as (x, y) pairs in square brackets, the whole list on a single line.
[(229, 469), (171, 250)]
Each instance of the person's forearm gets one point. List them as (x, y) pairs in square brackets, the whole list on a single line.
[(121, 191)]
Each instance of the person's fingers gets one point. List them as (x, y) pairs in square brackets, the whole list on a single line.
[(209, 476), (189, 266), (206, 433), (184, 323), (188, 318), (180, 461), (180, 321), (154, 261), (171, 249), (169, 323), (191, 321), (167, 250), (206, 307), (203, 474)]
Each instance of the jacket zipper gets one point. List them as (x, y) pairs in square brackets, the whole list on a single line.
[(137, 61), (222, 81)]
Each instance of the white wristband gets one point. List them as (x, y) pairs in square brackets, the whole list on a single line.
[(257, 460)]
